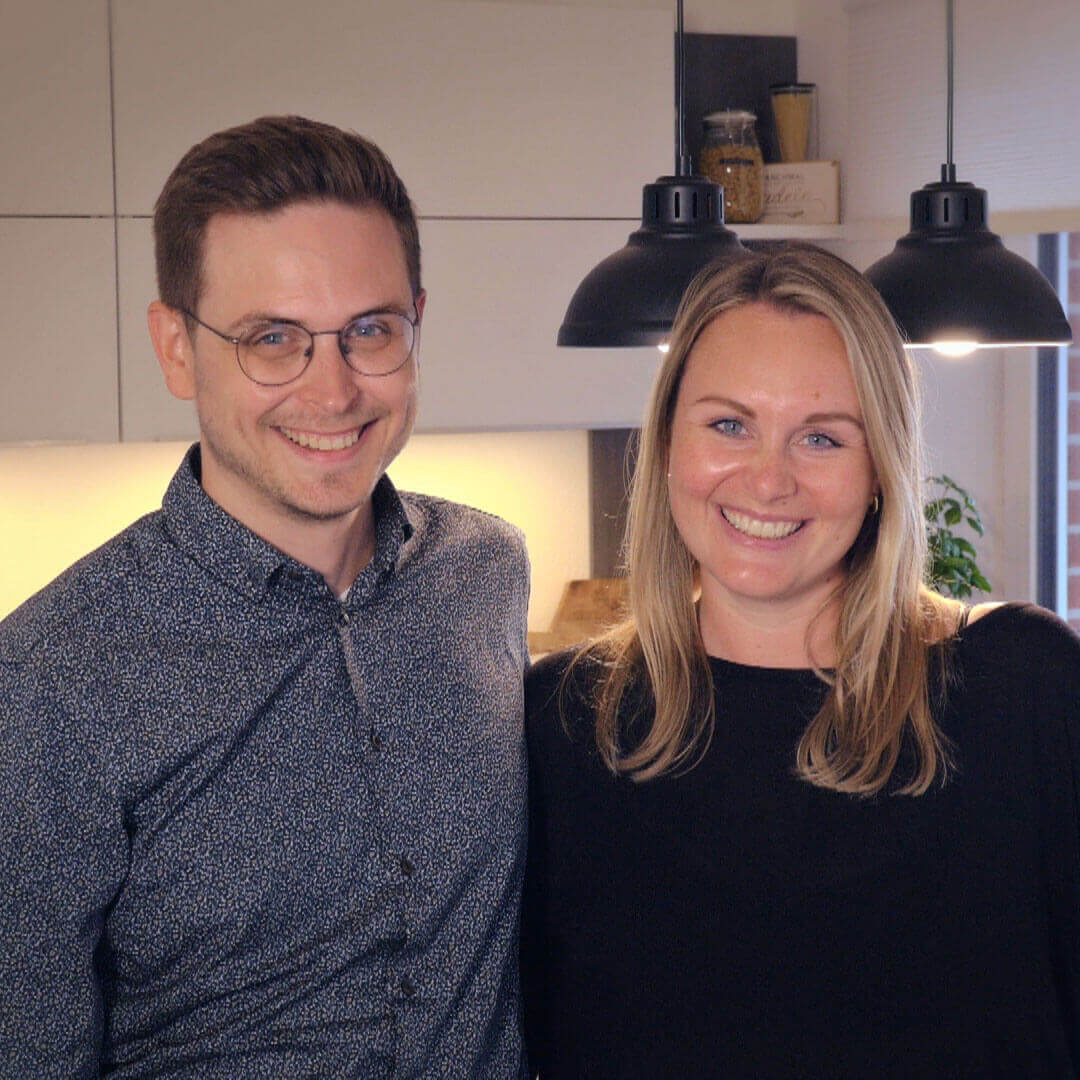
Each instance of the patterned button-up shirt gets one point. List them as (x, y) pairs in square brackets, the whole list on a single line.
[(250, 830)]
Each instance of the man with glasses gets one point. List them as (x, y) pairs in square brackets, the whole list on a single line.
[(262, 760)]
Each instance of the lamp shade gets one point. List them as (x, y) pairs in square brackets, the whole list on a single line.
[(630, 298), (950, 279)]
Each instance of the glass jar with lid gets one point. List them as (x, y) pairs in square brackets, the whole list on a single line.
[(731, 157)]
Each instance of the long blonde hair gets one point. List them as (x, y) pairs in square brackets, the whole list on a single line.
[(654, 672)]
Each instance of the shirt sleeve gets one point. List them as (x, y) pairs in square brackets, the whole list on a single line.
[(63, 853)]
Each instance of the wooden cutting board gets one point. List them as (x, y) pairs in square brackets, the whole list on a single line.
[(587, 608)]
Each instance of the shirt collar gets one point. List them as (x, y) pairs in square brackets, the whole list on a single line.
[(393, 530), (246, 562)]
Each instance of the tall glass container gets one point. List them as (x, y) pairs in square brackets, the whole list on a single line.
[(731, 157)]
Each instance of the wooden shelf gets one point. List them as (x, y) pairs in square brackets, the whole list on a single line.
[(788, 232)]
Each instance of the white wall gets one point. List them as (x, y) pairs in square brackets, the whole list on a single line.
[(60, 502), (1015, 100), (1016, 106)]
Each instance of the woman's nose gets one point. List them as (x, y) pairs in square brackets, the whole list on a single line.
[(771, 473)]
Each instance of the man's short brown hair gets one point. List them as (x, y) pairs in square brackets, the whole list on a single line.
[(260, 167)]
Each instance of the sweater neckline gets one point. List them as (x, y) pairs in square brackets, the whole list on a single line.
[(733, 669)]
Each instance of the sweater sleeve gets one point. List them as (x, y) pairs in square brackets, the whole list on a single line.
[(1054, 662), (549, 764)]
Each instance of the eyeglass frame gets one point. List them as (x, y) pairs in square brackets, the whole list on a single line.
[(414, 322)]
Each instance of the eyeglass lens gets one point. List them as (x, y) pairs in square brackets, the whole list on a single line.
[(376, 344)]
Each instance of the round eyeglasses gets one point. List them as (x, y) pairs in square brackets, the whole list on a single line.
[(278, 351)]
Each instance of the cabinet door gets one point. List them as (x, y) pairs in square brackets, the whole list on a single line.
[(498, 291), (54, 123), (149, 412), (57, 288), (58, 307), (486, 109)]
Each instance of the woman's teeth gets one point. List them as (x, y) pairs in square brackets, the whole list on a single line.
[(764, 530), (314, 441)]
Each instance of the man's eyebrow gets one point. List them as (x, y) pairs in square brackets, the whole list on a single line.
[(258, 317), (274, 317)]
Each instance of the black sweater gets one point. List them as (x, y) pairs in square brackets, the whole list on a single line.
[(736, 921)]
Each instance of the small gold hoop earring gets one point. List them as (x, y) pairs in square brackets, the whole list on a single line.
[(875, 506)]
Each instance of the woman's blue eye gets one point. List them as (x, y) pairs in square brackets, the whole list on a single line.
[(728, 427), (819, 439)]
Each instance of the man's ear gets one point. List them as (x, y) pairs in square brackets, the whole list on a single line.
[(421, 298), (168, 332)]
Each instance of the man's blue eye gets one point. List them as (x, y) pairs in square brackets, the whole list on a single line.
[(275, 338), (368, 328)]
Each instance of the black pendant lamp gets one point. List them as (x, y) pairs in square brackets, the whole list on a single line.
[(950, 283), (630, 298)]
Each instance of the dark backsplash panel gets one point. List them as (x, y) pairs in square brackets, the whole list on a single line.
[(735, 71)]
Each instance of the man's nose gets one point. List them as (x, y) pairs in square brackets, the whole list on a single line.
[(328, 379)]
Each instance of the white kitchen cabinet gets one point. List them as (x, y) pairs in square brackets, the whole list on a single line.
[(149, 412), (58, 309), (487, 110), (54, 124), (499, 290)]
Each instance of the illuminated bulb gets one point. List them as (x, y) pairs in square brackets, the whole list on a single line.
[(663, 347), (954, 348)]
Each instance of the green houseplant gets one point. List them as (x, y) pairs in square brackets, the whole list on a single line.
[(952, 569)]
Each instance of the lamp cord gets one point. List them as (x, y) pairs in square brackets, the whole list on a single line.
[(948, 170), (682, 159)]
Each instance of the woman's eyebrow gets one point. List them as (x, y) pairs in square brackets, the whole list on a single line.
[(825, 417), (730, 403)]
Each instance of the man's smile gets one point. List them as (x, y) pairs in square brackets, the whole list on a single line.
[(314, 440)]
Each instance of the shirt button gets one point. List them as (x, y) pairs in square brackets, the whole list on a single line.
[(407, 987), (407, 867)]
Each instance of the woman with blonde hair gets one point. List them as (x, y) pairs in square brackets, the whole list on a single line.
[(799, 815)]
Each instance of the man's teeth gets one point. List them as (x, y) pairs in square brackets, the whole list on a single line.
[(765, 530), (315, 441)]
